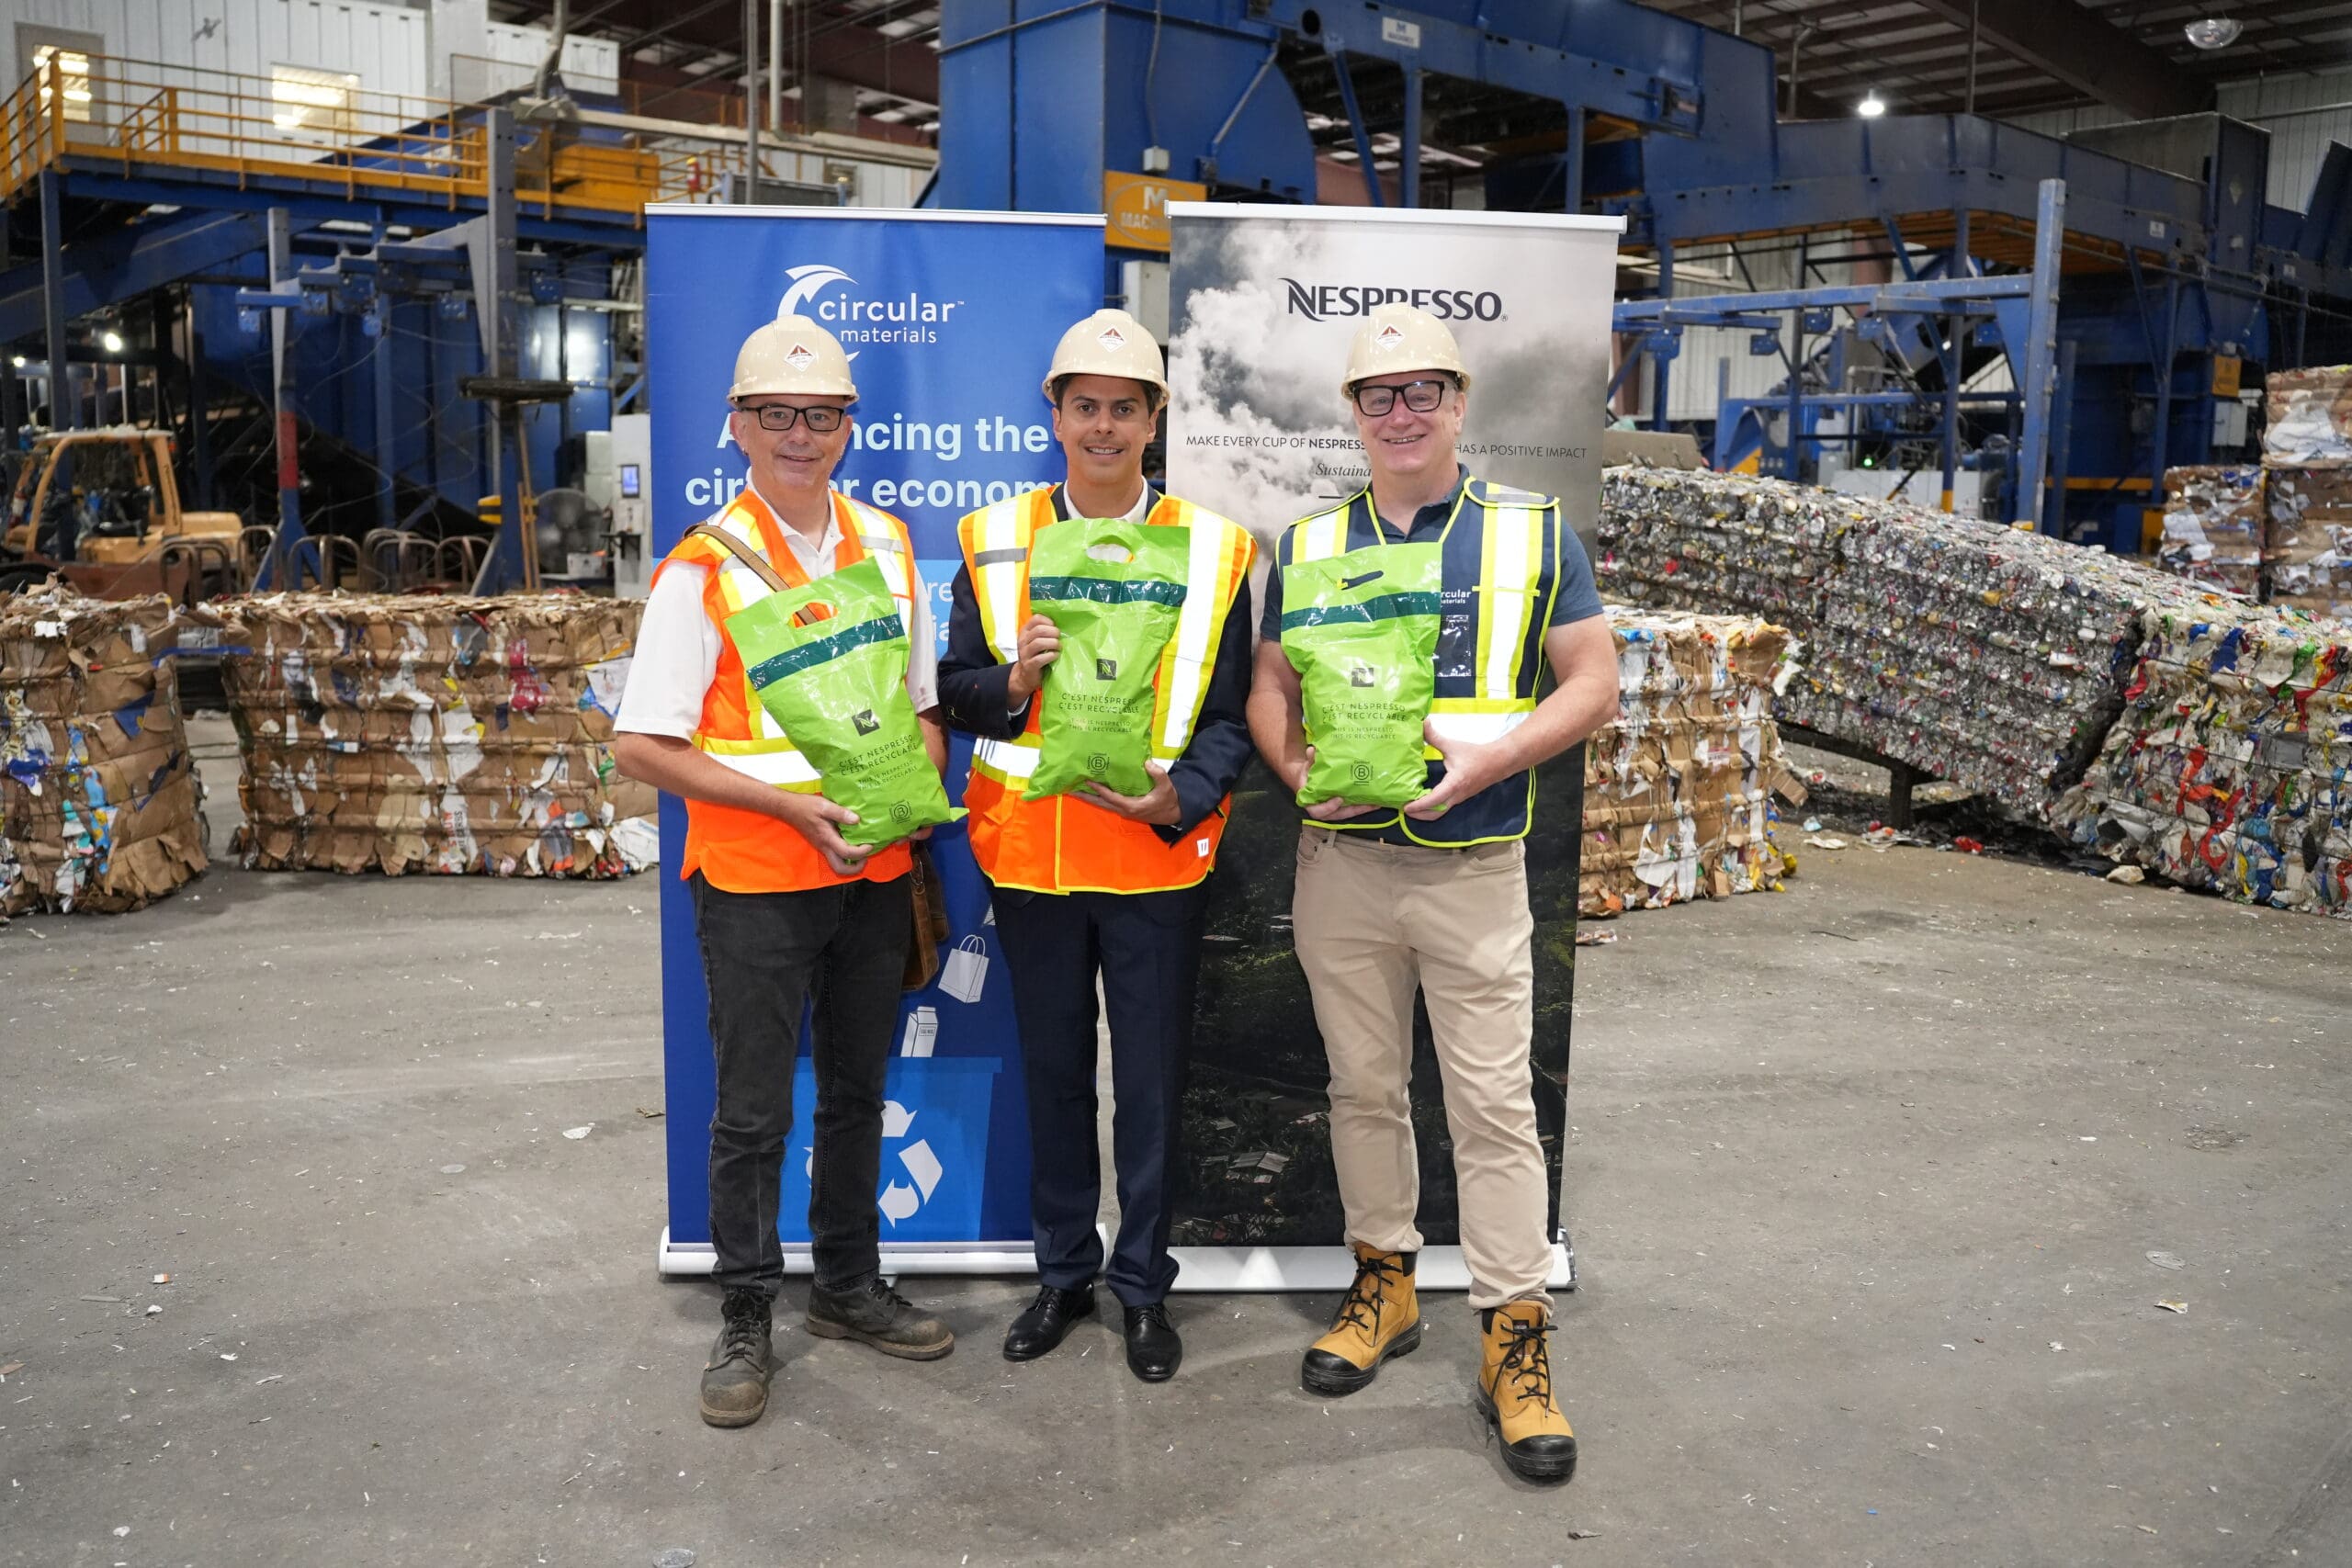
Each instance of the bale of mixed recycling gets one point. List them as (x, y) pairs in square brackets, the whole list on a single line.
[(2214, 524), (2230, 766), (99, 803), (1676, 788), (1974, 652), (416, 733)]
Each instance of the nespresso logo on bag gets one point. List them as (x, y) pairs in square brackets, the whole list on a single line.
[(1320, 302), (865, 722)]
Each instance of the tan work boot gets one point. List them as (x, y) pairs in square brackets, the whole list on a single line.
[(1379, 1317), (735, 1379), (1515, 1392)]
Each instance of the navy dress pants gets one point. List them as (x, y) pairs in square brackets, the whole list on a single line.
[(1147, 949)]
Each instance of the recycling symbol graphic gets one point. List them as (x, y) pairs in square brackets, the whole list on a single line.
[(899, 1199)]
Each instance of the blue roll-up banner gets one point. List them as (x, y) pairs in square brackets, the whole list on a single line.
[(950, 319)]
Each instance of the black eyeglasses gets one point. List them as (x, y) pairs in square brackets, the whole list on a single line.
[(1422, 397), (822, 418)]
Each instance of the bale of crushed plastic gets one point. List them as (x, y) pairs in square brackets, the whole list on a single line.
[(1677, 787), (99, 802), (1972, 653), (417, 733), (2230, 768)]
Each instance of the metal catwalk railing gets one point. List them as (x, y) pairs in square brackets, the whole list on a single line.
[(324, 129)]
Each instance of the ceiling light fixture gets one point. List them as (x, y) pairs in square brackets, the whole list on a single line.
[(113, 342), (2215, 33), (1872, 106)]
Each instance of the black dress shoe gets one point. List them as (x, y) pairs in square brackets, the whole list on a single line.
[(1043, 1324), (1153, 1350)]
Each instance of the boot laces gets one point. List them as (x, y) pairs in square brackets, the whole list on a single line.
[(1526, 1362), (746, 1324), (1361, 1306)]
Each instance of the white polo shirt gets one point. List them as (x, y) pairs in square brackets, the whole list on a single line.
[(678, 645)]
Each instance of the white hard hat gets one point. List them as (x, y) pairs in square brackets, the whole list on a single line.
[(792, 354), (1109, 343), (1401, 337)]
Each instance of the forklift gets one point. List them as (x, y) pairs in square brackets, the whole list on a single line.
[(101, 509)]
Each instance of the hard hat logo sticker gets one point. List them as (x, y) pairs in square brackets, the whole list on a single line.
[(1390, 333), (1112, 338), (800, 357)]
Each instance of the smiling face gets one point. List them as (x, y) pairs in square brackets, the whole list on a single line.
[(1407, 447), (1103, 424), (789, 464)]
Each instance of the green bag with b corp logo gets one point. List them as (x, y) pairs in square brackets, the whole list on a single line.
[(1114, 589), (829, 661), (1360, 629)]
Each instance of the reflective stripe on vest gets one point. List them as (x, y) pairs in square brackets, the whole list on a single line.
[(766, 753), (1511, 603), (1058, 845), (998, 540)]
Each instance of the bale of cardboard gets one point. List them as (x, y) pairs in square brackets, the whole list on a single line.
[(100, 809), (1677, 787), (448, 735)]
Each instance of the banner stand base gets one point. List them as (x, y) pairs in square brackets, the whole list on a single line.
[(1202, 1269), (690, 1259), (1324, 1268)]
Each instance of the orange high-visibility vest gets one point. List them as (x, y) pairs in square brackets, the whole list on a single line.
[(746, 851), (1060, 844)]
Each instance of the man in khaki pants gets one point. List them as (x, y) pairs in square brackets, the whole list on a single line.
[(1433, 897)]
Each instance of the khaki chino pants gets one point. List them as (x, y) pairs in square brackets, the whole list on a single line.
[(1373, 922)]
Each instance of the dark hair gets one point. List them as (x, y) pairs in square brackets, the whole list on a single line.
[(1152, 396)]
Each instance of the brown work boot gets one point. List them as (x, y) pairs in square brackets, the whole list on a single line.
[(877, 1315), (735, 1382), (1379, 1317), (1515, 1392)]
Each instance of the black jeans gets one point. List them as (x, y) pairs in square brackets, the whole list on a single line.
[(1146, 946), (764, 956)]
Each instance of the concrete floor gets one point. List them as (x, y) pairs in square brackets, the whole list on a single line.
[(1864, 1180)]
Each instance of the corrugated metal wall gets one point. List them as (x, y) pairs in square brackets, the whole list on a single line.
[(387, 45), (2284, 106)]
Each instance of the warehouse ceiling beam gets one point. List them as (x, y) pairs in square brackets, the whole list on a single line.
[(2084, 53)]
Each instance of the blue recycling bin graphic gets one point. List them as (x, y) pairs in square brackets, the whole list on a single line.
[(936, 1125)]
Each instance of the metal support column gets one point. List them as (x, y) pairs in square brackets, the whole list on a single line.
[(283, 568), (503, 565), (385, 457), (200, 406), (65, 407), (1356, 127), (1572, 163), (750, 106), (1953, 342), (2062, 442), (2160, 439), (2042, 348), (1659, 376), (1408, 154)]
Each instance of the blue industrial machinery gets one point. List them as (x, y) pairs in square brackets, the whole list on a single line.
[(424, 372), (2168, 281)]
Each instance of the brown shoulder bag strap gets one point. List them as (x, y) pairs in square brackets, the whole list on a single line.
[(741, 552)]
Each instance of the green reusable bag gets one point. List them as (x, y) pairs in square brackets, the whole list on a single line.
[(1360, 629), (838, 687), (1114, 590)]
